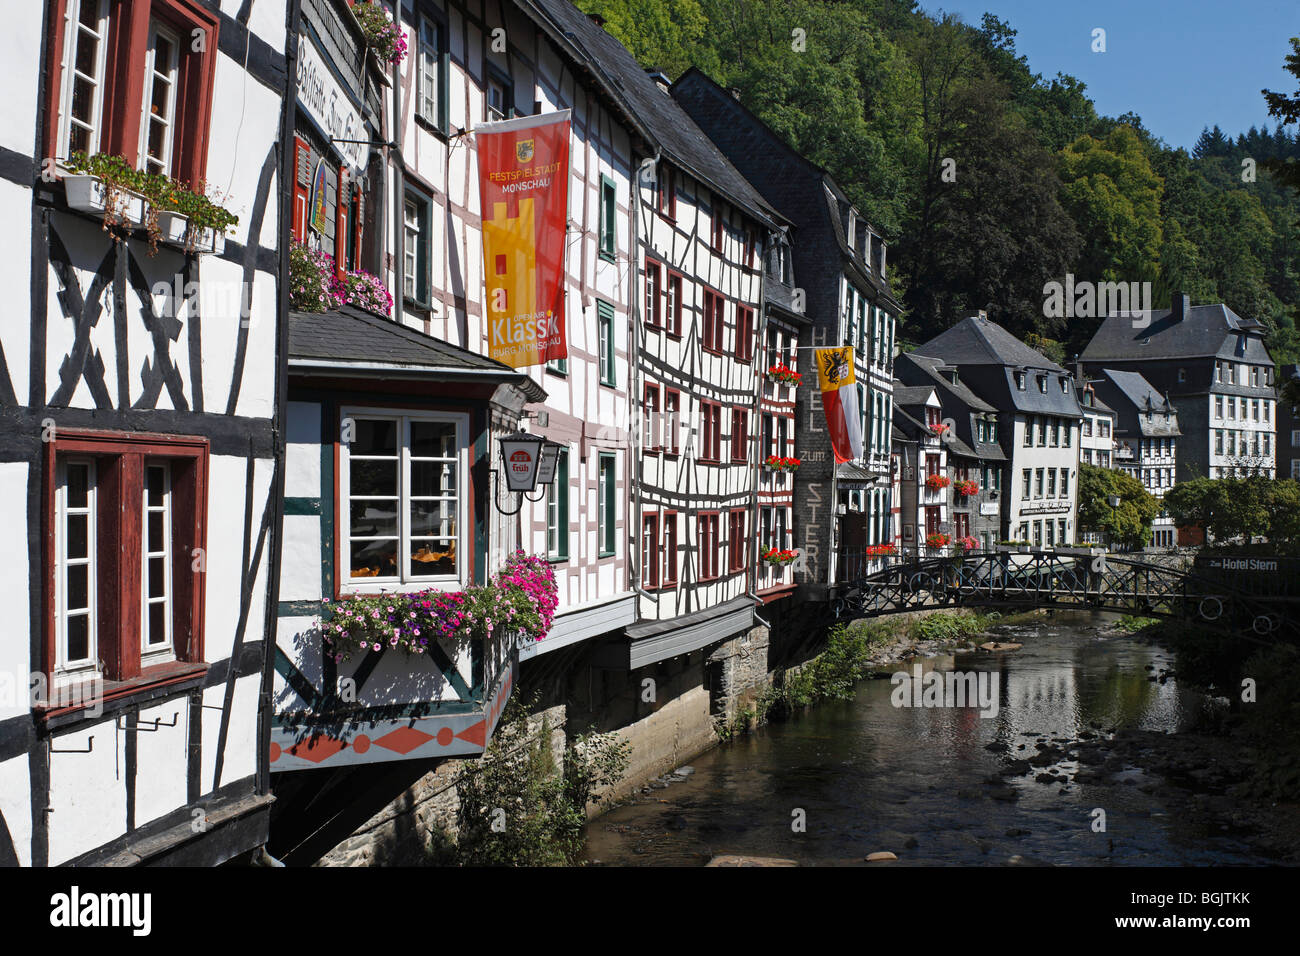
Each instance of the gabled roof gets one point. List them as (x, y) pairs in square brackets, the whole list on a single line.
[(912, 394), (352, 342), (935, 369), (1207, 331), (664, 124), (1132, 395), (977, 341)]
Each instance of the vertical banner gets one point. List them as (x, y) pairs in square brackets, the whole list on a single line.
[(523, 167), (838, 384)]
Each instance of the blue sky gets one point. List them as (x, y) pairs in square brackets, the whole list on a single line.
[(1179, 64)]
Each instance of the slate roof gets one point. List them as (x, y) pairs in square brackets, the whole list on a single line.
[(657, 115), (931, 366), (976, 341), (747, 136), (1207, 331), (1131, 394), (351, 341), (911, 394)]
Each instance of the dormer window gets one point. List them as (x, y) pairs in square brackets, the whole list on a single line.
[(1182, 375), (1042, 384), (1020, 381), (1065, 386)]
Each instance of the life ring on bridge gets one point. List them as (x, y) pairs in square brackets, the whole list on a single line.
[(921, 581), (1218, 608), (1265, 623)]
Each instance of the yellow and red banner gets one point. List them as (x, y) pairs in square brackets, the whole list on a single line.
[(839, 390), (523, 167)]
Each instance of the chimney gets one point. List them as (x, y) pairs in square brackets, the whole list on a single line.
[(597, 19), (735, 93), (660, 78), (1180, 307)]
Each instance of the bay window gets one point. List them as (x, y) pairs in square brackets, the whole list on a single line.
[(401, 500)]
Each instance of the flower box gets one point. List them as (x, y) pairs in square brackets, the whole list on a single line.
[(784, 375), (938, 429), (937, 540), (88, 194), (779, 463), (777, 558), (937, 482), (172, 227), (968, 544), (880, 550), (966, 488)]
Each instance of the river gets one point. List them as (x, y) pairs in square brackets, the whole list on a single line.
[(923, 783)]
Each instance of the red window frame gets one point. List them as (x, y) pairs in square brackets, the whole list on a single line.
[(707, 526), (744, 334), (650, 551), (672, 420), (119, 488), (653, 294), (666, 192), (931, 465), (718, 223), (714, 319), (711, 432), (669, 529), (127, 44), (301, 187), (673, 315), (961, 521), (739, 435), (737, 542), (651, 421)]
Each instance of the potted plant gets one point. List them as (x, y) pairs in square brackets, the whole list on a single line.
[(880, 550), (784, 375), (937, 482), (938, 429), (779, 557), (383, 36), (938, 540), (968, 543), (103, 185), (966, 488)]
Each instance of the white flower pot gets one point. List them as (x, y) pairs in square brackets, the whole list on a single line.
[(88, 194), (172, 227)]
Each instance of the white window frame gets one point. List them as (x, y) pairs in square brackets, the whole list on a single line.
[(72, 29), (405, 580), (167, 650), (65, 668), (172, 76)]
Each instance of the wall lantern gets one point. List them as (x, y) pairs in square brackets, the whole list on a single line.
[(520, 455), (528, 461), (1113, 501)]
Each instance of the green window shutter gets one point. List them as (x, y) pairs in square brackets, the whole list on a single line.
[(608, 218)]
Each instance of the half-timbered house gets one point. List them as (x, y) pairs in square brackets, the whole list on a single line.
[(701, 231), (140, 410), (840, 261)]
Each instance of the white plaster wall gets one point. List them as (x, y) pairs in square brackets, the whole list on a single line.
[(302, 451), (15, 641), (299, 639), (240, 759), (20, 52), (162, 760), (87, 791), (16, 805), (300, 564)]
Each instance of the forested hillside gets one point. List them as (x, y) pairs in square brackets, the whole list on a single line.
[(881, 94)]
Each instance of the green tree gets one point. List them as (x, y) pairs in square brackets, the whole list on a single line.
[(1287, 109), (1240, 508), (1128, 523), (1114, 195)]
